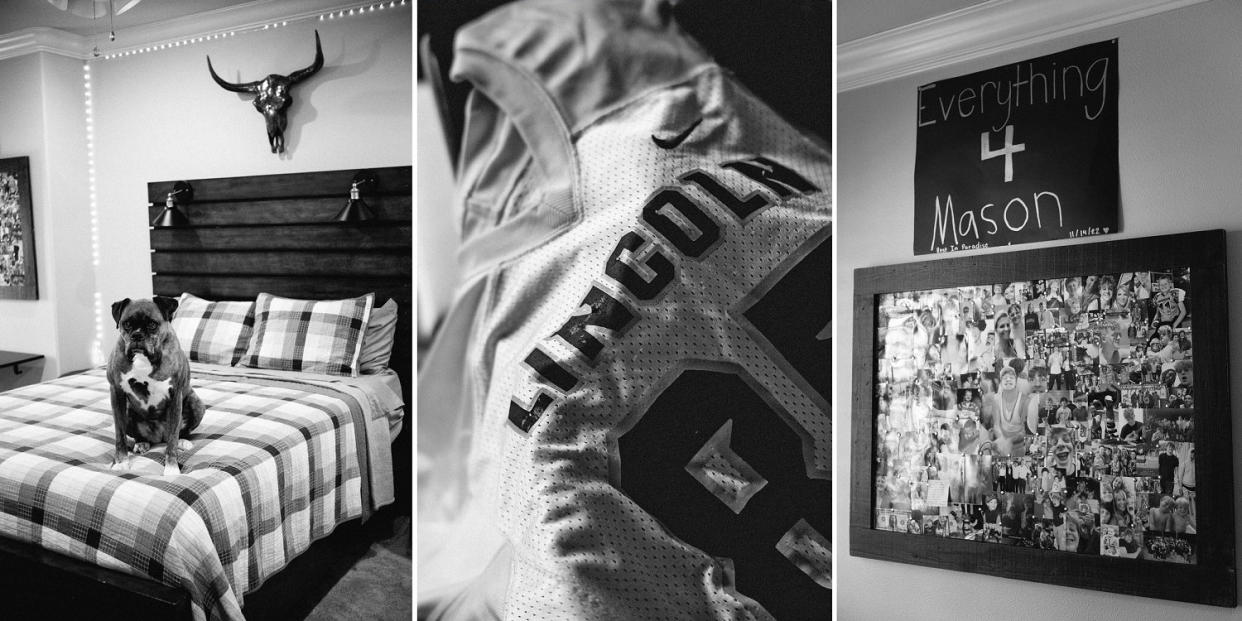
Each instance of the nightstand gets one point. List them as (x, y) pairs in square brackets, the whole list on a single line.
[(18, 369)]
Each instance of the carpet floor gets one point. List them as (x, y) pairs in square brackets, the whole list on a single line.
[(378, 586)]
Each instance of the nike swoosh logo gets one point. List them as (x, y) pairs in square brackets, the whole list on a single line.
[(671, 143)]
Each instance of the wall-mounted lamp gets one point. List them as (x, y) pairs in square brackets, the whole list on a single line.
[(171, 216), (356, 209)]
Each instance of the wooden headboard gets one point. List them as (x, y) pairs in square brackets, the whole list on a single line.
[(277, 234)]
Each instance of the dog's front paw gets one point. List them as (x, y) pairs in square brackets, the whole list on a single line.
[(184, 445), (141, 447), (120, 464), (171, 469)]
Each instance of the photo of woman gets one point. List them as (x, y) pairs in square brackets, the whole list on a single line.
[(1107, 294)]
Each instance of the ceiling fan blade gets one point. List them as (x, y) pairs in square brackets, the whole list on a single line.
[(89, 9), (127, 6)]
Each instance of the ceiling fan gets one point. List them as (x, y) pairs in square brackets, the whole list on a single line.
[(93, 8)]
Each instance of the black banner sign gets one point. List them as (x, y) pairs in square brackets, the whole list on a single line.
[(1021, 153)]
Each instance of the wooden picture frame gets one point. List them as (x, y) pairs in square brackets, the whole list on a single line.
[(1212, 578), (18, 273)]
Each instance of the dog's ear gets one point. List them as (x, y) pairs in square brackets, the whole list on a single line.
[(118, 307), (167, 306)]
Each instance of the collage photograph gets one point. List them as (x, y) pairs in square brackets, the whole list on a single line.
[(1055, 414)]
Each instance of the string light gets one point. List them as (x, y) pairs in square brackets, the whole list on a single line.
[(89, 96), (362, 9)]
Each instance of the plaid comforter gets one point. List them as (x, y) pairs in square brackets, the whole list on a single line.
[(275, 466)]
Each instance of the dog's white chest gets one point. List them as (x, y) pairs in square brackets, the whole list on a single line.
[(139, 385)]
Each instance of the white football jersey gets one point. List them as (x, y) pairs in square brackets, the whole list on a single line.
[(644, 330)]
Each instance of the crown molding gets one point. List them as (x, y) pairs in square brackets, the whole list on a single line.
[(255, 15), (32, 40), (988, 28)]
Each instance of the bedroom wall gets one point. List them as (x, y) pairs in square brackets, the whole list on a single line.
[(159, 116), (1180, 157), (42, 118)]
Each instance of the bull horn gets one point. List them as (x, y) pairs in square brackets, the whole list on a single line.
[(302, 74), (248, 87)]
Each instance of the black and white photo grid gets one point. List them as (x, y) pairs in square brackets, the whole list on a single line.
[(1055, 414)]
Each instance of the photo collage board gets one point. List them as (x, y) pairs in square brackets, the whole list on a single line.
[(1055, 414)]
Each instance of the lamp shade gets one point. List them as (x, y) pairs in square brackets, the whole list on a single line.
[(356, 210), (171, 215)]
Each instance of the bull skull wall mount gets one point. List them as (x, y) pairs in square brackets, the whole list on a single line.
[(273, 95)]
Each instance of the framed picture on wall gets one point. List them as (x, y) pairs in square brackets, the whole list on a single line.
[(1059, 415), (18, 277)]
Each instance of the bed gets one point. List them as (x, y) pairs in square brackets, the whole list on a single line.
[(287, 465)]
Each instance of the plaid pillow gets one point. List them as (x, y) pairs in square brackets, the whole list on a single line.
[(213, 332), (316, 336)]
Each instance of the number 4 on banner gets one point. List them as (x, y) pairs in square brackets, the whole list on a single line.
[(986, 152)]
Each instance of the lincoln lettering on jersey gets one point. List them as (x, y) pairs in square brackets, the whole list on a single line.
[(779, 179), (634, 255), (671, 213), (641, 267), (742, 207), (602, 312)]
